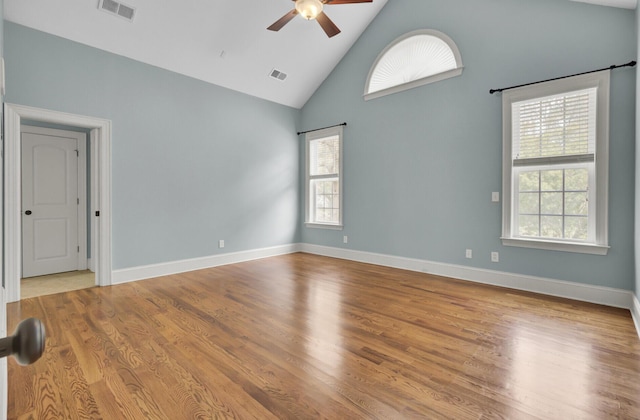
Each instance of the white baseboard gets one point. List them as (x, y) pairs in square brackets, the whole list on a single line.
[(164, 269), (635, 313), (595, 294)]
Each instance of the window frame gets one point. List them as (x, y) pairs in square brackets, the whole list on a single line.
[(314, 136), (599, 245)]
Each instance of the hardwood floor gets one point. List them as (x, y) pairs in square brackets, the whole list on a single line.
[(303, 336)]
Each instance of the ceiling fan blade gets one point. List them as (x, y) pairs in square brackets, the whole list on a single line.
[(347, 1), (278, 24), (327, 24)]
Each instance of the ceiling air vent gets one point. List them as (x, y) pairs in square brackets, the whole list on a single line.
[(118, 9), (277, 74)]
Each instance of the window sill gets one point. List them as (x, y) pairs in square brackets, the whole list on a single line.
[(323, 226), (578, 247)]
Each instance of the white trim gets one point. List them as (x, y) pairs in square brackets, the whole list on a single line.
[(635, 313), (94, 199), (323, 226), (414, 84), (582, 248), (12, 202), (587, 293), (174, 267)]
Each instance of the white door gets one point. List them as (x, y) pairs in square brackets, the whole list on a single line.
[(50, 202)]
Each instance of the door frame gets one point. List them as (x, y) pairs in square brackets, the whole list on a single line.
[(81, 175), (100, 141)]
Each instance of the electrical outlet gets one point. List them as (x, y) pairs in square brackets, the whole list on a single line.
[(468, 253), (345, 239), (495, 257), (221, 243), (495, 196)]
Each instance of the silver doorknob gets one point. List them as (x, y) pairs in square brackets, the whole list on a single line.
[(27, 342)]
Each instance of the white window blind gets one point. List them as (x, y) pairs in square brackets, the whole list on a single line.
[(555, 129), (325, 156)]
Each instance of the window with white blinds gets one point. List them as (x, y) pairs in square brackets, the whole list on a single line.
[(559, 128), (323, 178), (555, 164)]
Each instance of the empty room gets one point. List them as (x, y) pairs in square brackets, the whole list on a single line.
[(337, 209)]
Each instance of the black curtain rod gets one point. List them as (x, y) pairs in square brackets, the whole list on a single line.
[(318, 129), (629, 64)]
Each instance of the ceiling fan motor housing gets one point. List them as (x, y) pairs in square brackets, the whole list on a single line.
[(309, 9)]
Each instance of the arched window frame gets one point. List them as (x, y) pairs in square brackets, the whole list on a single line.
[(418, 82)]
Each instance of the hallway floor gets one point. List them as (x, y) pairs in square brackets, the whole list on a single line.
[(56, 283)]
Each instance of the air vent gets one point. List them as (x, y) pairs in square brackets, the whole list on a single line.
[(277, 74), (118, 9)]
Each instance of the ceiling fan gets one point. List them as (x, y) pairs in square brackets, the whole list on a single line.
[(312, 9)]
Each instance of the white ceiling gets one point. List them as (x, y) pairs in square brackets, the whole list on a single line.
[(224, 42)]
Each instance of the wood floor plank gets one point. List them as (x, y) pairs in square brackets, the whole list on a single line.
[(303, 336)]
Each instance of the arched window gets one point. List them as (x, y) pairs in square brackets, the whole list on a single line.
[(415, 59)]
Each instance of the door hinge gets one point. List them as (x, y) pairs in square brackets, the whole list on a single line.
[(98, 213), (77, 153), (78, 248), (78, 201)]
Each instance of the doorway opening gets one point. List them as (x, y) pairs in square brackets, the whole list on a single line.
[(55, 234), (99, 201)]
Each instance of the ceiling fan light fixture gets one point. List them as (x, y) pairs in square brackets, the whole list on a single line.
[(309, 9)]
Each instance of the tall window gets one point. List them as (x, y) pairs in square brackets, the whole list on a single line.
[(324, 178), (556, 164)]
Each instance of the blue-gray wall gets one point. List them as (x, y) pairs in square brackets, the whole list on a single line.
[(192, 163), (420, 166)]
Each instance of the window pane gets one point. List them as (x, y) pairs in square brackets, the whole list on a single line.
[(576, 179), (529, 181), (529, 203), (326, 202), (529, 226), (551, 180), (551, 203), (551, 226), (325, 156), (576, 203), (576, 227)]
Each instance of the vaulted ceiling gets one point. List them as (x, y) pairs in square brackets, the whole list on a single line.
[(224, 42)]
